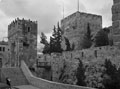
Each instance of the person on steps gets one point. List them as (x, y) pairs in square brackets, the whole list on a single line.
[(8, 81)]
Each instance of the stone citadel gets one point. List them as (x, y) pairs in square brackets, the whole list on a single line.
[(74, 26), (22, 34), (22, 39)]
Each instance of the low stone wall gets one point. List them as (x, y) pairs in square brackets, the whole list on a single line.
[(44, 84)]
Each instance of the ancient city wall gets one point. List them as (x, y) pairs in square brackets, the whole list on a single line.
[(44, 84), (88, 57)]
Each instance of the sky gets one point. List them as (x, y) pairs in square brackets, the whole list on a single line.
[(49, 12)]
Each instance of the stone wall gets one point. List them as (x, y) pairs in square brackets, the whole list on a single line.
[(75, 25), (44, 84), (4, 54), (116, 22), (88, 56)]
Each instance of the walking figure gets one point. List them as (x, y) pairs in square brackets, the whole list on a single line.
[(8, 81)]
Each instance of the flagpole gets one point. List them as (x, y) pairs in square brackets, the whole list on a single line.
[(63, 10), (78, 5)]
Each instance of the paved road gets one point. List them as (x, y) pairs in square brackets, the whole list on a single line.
[(26, 87)]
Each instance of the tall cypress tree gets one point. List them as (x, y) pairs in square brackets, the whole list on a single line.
[(86, 40), (68, 48), (80, 75), (44, 41), (55, 40), (110, 82)]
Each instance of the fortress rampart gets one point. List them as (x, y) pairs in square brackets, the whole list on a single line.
[(88, 57)]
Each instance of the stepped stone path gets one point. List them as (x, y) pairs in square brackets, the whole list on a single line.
[(16, 75), (18, 80)]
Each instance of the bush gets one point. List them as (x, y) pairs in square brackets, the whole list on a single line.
[(111, 76), (80, 75)]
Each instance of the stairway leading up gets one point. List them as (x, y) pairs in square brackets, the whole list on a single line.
[(16, 76)]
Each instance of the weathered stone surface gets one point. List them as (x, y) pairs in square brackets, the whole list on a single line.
[(116, 24), (75, 25), (116, 8), (116, 21), (116, 38), (116, 1), (88, 56), (116, 31), (116, 17), (22, 39)]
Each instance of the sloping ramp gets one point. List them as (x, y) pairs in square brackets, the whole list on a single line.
[(26, 87), (16, 76)]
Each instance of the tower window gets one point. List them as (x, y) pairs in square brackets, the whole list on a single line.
[(28, 29), (3, 49)]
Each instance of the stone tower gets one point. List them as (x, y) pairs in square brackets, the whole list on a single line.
[(75, 25), (116, 22), (22, 39)]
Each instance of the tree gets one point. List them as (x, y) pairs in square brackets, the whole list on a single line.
[(110, 76), (62, 76), (80, 75), (44, 41), (52, 48), (55, 40), (101, 38), (43, 38), (86, 40), (68, 46)]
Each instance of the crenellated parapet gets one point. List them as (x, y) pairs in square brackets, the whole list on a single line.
[(18, 21), (82, 14)]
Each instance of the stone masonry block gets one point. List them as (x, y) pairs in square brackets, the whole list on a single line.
[(116, 1), (117, 44), (116, 38), (116, 31), (116, 24), (116, 17), (116, 8)]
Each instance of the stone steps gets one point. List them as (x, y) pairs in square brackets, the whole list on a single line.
[(16, 76)]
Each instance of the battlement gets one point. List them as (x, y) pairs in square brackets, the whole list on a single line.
[(81, 14), (18, 21)]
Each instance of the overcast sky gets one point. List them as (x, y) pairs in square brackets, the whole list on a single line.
[(49, 12)]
